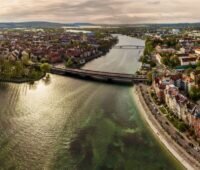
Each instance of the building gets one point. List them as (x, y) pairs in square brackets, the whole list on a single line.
[(159, 85), (197, 51), (185, 61), (195, 121), (159, 58), (175, 31), (159, 89), (160, 49), (176, 101)]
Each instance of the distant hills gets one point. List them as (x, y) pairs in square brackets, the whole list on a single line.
[(37, 24), (40, 24)]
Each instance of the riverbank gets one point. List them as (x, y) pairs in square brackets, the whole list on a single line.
[(182, 156), (22, 80)]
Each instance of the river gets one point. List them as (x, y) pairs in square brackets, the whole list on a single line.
[(70, 124)]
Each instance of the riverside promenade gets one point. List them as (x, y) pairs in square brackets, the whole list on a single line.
[(168, 137)]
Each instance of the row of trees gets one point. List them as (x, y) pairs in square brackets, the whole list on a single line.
[(20, 69), (149, 47)]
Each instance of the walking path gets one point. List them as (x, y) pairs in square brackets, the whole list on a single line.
[(185, 159)]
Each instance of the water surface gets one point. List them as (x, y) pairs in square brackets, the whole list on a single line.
[(67, 123)]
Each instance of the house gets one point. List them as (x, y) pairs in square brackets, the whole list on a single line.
[(195, 76), (159, 85), (160, 49), (176, 101), (197, 51), (186, 83), (159, 89), (185, 61), (54, 57), (159, 58), (195, 122), (175, 31), (177, 80), (146, 66)]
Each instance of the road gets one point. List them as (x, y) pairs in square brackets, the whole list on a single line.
[(184, 143)]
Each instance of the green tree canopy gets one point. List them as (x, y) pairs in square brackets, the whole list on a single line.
[(194, 93), (45, 67)]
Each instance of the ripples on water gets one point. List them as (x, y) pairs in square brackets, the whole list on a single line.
[(73, 124)]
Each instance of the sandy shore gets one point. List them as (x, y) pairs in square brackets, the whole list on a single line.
[(159, 132)]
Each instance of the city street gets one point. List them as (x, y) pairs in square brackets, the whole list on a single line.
[(180, 139)]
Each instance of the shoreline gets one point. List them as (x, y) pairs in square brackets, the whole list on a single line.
[(159, 132), (20, 81)]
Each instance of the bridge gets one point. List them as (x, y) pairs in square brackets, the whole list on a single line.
[(114, 78), (129, 47)]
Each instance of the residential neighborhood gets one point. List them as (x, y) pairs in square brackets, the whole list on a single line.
[(21, 48), (175, 76), (52, 46)]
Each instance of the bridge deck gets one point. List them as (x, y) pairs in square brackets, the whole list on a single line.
[(100, 75), (129, 46), (116, 78), (92, 72)]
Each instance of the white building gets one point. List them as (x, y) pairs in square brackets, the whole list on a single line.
[(158, 58), (185, 61), (176, 101), (175, 31), (197, 51)]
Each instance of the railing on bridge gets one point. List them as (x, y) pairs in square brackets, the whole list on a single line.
[(119, 78)]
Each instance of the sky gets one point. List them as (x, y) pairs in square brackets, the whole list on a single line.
[(101, 11)]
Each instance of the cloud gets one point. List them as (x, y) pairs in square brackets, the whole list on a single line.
[(100, 11), (154, 2)]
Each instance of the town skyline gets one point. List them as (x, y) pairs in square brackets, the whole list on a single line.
[(100, 12)]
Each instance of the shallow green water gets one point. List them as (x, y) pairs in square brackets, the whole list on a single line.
[(74, 124)]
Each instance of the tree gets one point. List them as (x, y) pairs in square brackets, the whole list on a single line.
[(165, 60), (45, 67), (144, 59), (19, 70), (69, 63), (182, 126), (150, 76), (7, 69), (198, 68), (174, 61), (188, 71), (25, 59), (198, 64), (194, 93), (149, 47), (153, 64)]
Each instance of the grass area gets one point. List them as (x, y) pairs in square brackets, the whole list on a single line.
[(163, 110), (179, 124), (153, 95)]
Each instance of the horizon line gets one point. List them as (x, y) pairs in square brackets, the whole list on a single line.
[(54, 22)]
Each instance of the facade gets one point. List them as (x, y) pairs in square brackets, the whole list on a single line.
[(158, 58), (185, 61), (176, 101), (197, 51), (196, 121), (167, 90)]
